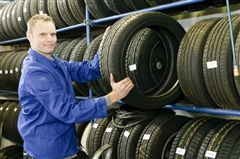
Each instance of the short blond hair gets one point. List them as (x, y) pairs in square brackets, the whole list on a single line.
[(33, 20)]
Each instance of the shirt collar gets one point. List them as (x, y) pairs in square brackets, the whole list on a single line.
[(42, 59)]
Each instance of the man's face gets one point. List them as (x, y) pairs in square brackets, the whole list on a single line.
[(43, 37)]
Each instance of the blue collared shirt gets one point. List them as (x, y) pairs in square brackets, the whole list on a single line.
[(49, 107)]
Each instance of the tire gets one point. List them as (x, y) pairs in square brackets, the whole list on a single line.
[(189, 63), (77, 55), (117, 6), (42, 7), (8, 73), (215, 144), (78, 9), (148, 51), (67, 50), (91, 51), (156, 139), (137, 4), (98, 9), (54, 13), (96, 133), (20, 16), (113, 55), (111, 136), (219, 80), (190, 137), (65, 12)]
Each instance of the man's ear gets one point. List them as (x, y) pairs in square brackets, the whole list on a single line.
[(29, 35)]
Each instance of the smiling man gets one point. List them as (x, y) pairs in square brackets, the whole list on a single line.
[(49, 107)]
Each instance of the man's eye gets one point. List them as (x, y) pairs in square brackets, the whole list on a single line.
[(53, 34), (43, 34)]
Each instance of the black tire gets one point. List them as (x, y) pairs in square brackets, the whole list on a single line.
[(91, 51), (209, 136), (77, 8), (6, 122), (215, 143), (42, 7), (117, 6), (231, 140), (128, 139), (191, 136), (148, 51), (26, 10), (54, 13), (98, 8), (189, 63), (20, 17), (34, 7), (137, 4), (77, 55), (113, 54), (65, 12), (9, 73), (15, 23), (58, 50), (111, 136), (96, 133), (67, 50), (3, 83), (10, 17), (5, 18), (156, 139), (18, 67), (219, 80)]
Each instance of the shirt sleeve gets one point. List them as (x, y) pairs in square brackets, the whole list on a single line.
[(59, 103), (85, 71)]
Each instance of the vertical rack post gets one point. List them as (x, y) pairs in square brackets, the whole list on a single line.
[(88, 34), (235, 64)]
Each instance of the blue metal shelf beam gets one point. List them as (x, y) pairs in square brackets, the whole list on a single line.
[(115, 17)]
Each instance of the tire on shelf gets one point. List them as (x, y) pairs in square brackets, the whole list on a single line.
[(129, 137), (5, 17), (137, 4), (65, 12), (77, 55), (191, 136), (117, 6), (20, 16), (8, 73), (91, 51), (42, 7), (96, 132), (218, 64), (98, 9), (78, 9), (26, 10), (156, 139), (113, 55), (112, 134), (218, 137), (54, 13), (189, 63)]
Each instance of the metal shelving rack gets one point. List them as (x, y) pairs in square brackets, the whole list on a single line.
[(88, 23)]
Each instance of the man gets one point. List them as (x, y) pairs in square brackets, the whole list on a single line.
[(49, 108)]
